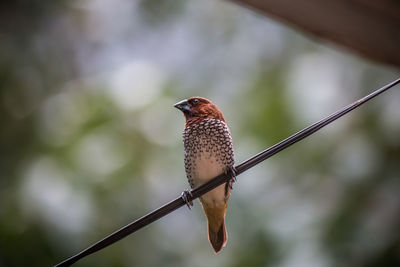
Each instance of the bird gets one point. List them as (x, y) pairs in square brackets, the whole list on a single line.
[(208, 152)]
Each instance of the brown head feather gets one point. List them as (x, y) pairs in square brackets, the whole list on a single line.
[(201, 108)]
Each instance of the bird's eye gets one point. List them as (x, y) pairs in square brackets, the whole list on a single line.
[(195, 101)]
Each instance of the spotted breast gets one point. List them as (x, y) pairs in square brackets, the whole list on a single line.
[(208, 150)]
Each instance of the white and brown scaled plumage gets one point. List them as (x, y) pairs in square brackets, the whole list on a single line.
[(208, 153)]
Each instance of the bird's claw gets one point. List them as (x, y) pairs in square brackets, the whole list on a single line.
[(187, 197), (231, 172)]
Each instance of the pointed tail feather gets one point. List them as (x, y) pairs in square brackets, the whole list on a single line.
[(218, 238)]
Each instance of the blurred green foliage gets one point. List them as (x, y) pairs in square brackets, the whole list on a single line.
[(90, 141)]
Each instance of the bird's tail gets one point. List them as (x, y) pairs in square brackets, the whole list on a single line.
[(216, 226), (217, 237)]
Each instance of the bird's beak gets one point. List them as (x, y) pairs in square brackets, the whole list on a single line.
[(183, 105)]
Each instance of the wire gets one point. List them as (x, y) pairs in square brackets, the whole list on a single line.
[(223, 178)]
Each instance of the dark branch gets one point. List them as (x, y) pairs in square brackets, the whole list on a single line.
[(223, 178)]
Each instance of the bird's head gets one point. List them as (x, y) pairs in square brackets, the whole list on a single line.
[(196, 108)]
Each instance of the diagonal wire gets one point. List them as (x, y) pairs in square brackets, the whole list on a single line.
[(223, 178)]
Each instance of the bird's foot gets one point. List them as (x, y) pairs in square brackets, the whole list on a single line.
[(187, 197), (231, 172)]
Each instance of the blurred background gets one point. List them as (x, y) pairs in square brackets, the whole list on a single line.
[(90, 140)]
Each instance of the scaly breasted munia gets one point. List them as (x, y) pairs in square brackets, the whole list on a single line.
[(208, 153)]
